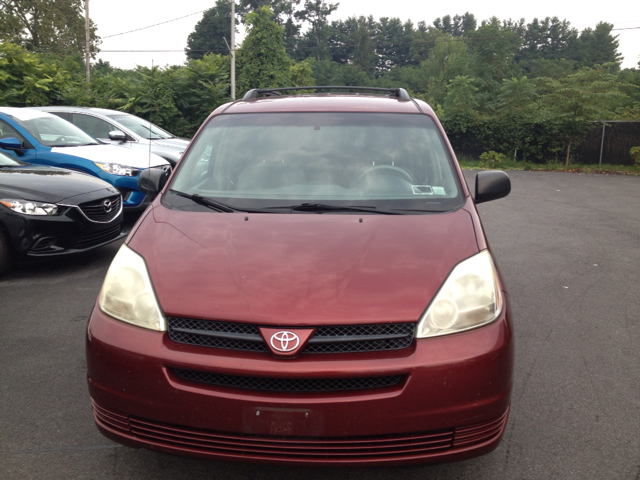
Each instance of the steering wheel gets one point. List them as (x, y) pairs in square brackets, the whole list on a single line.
[(386, 170), (61, 138)]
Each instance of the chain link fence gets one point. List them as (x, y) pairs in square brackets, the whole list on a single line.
[(609, 145)]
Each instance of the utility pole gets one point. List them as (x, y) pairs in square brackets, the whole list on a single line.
[(87, 44), (233, 49)]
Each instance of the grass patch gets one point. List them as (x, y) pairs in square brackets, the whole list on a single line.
[(508, 164)]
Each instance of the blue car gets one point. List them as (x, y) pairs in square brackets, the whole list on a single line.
[(43, 139)]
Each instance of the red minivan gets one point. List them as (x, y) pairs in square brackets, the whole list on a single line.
[(312, 286)]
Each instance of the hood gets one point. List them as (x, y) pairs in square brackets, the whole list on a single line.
[(48, 184), (175, 142), (301, 269), (113, 154)]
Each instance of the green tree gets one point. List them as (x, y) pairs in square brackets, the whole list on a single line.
[(597, 46), (516, 94), (393, 44), (459, 26), (302, 74), (26, 80), (262, 60), (210, 32), (54, 26), (549, 39), (447, 60), (493, 47), (201, 87), (316, 13), (576, 100)]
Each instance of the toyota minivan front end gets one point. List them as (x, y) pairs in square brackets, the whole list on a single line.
[(312, 286)]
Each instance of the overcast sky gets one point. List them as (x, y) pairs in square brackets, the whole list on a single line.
[(113, 17)]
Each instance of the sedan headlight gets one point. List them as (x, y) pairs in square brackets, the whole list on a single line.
[(127, 293), (117, 169), (30, 208), (469, 298)]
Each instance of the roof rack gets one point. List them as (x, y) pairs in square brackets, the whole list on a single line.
[(401, 93)]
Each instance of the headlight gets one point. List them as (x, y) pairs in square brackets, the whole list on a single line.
[(469, 298), (117, 169), (30, 208), (127, 293)]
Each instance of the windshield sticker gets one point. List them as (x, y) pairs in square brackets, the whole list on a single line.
[(422, 189), (438, 190)]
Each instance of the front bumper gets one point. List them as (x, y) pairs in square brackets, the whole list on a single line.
[(68, 233), (452, 403)]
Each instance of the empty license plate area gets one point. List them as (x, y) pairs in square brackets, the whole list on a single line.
[(283, 422)]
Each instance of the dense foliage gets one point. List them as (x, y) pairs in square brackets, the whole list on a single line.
[(529, 90)]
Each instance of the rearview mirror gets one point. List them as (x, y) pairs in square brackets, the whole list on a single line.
[(491, 185), (11, 143), (152, 180), (117, 136)]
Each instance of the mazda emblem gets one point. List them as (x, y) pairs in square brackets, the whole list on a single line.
[(107, 205), (285, 341)]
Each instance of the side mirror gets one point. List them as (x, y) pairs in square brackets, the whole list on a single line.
[(491, 185), (11, 143), (152, 180), (117, 136)]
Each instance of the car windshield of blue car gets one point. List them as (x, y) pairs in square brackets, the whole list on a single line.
[(315, 161), (141, 127), (53, 131), (7, 161)]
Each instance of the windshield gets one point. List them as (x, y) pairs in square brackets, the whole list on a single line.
[(53, 131), (7, 161), (385, 161), (141, 127)]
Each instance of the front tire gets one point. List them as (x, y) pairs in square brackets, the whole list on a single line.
[(5, 254)]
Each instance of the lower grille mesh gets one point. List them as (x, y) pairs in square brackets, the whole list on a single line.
[(97, 238), (289, 384), (183, 439)]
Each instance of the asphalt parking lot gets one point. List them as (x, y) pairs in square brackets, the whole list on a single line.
[(568, 246)]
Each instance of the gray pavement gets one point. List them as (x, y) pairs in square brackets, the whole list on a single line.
[(568, 246)]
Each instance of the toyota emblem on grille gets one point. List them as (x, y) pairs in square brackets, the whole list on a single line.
[(107, 205), (285, 341)]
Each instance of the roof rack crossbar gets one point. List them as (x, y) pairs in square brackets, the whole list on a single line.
[(401, 93)]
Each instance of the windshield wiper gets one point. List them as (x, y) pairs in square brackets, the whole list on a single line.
[(200, 200), (219, 206), (321, 208)]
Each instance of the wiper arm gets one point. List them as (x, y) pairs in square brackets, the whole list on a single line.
[(321, 207), (200, 200)]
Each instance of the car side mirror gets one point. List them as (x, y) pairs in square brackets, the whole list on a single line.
[(117, 136), (491, 185), (11, 143), (152, 180)]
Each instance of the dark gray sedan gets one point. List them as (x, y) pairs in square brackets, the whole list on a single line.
[(49, 211)]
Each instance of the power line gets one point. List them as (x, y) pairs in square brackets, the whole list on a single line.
[(154, 25)]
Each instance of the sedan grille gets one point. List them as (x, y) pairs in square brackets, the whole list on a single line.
[(103, 210), (327, 339), (289, 384), (97, 238)]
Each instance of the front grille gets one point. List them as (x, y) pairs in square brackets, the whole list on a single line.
[(405, 446), (327, 339), (289, 384), (225, 335), (97, 238), (361, 338), (95, 211)]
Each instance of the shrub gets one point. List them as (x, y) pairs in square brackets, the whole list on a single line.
[(490, 158), (635, 154)]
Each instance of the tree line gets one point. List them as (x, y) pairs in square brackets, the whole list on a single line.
[(500, 85)]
